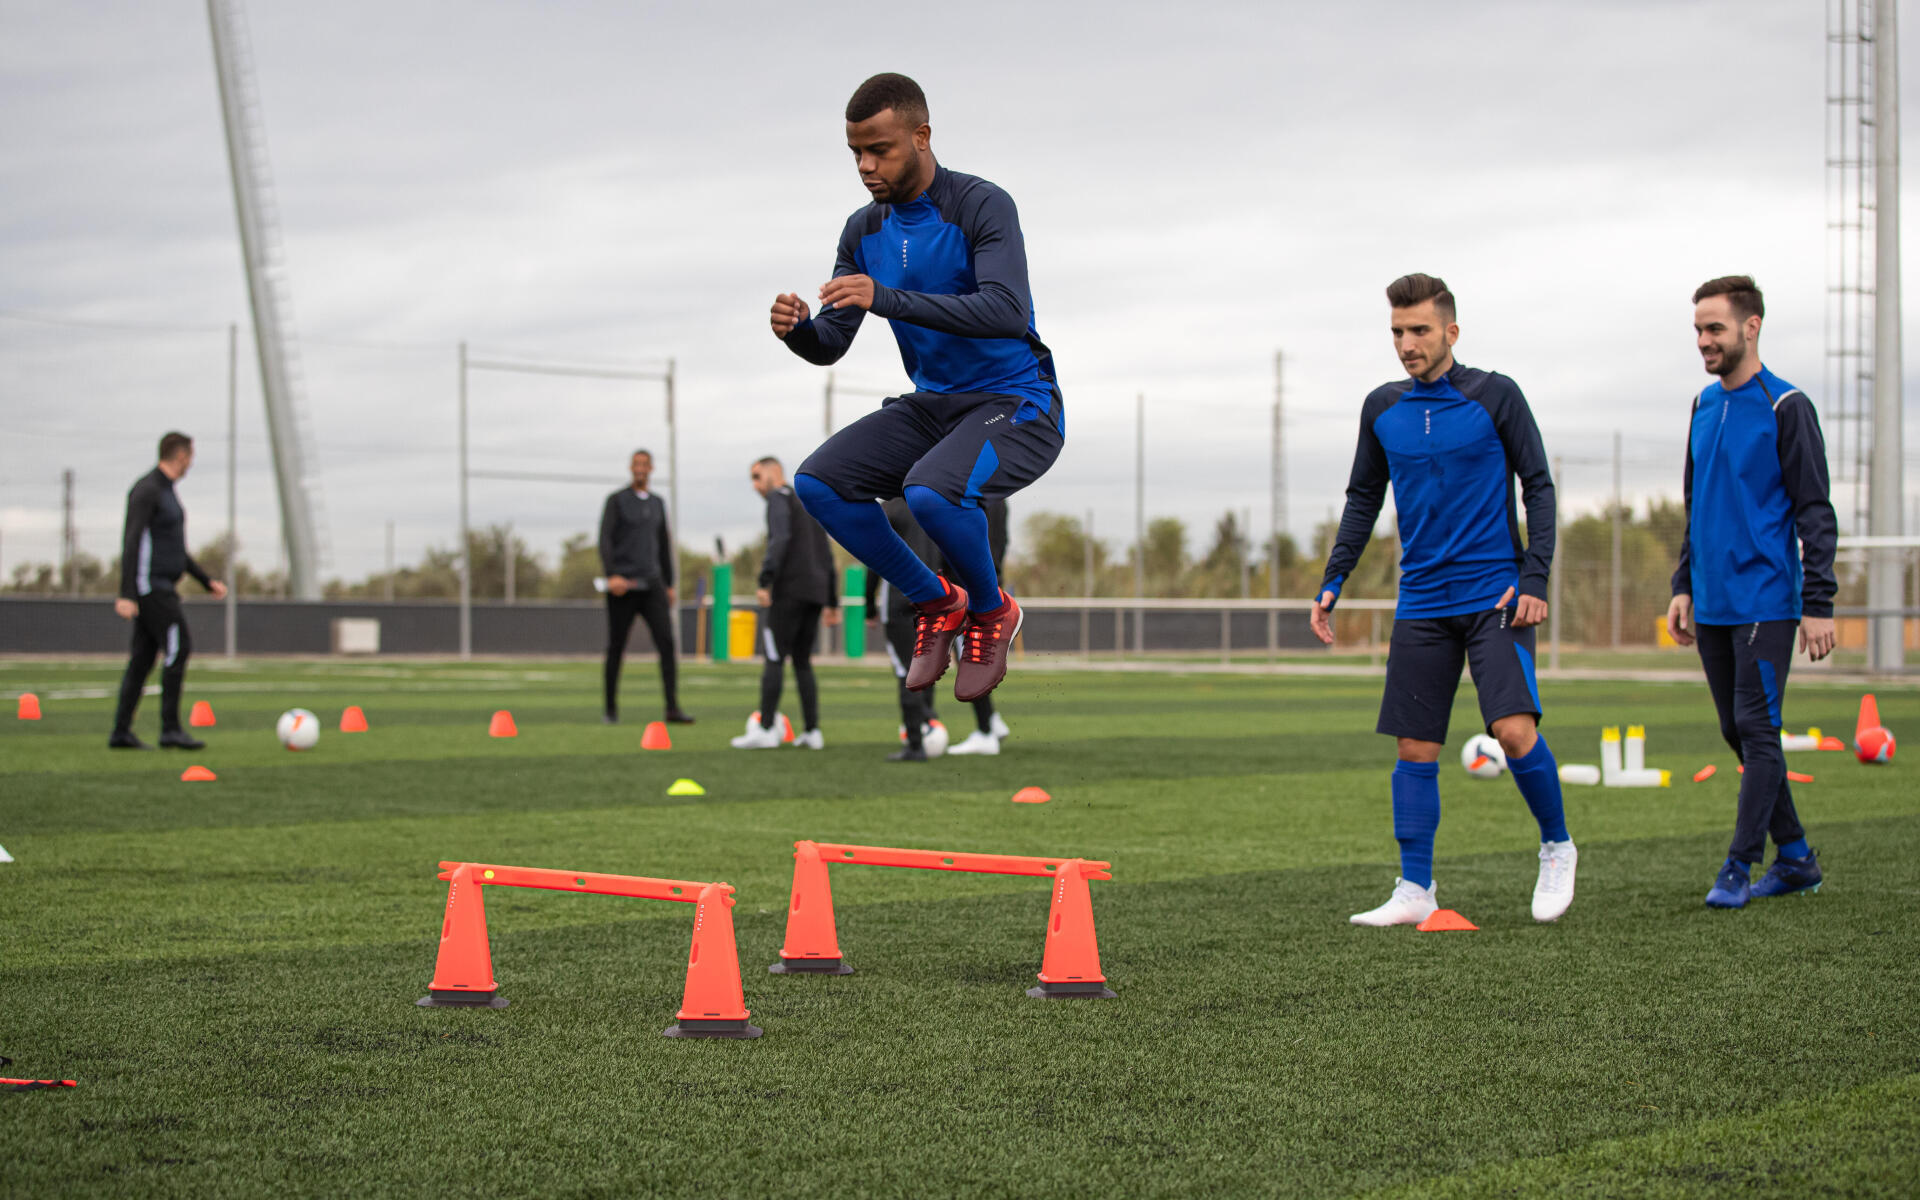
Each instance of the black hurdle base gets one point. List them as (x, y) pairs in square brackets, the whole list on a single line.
[(689, 1027), (1093, 990), (810, 966), (434, 999)]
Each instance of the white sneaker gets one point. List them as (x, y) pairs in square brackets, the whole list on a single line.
[(977, 743), (998, 726), (1554, 891), (758, 737), (1410, 905), (812, 739)]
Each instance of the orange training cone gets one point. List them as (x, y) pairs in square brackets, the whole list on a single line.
[(1443, 921), (1071, 965), (502, 725), (1792, 776), (1869, 716), (1704, 773), (655, 737), (202, 715), (353, 720), (713, 1006), (1031, 795), (29, 706), (197, 774), (812, 947), (463, 974)]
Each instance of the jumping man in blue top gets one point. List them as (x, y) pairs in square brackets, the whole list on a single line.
[(940, 256), (1450, 439), (1756, 483)]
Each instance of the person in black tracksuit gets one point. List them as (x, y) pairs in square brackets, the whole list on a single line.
[(153, 556), (795, 590), (898, 617), (637, 553)]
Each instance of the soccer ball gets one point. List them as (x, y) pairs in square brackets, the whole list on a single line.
[(1482, 757), (1874, 745), (933, 738), (298, 729), (785, 726)]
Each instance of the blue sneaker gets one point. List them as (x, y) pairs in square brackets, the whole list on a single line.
[(1731, 888), (1788, 876)]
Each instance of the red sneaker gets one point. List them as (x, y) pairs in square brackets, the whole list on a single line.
[(939, 622), (984, 648)]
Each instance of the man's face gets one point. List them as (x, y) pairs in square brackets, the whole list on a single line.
[(1423, 340), (642, 467), (888, 154), (178, 465), (1723, 338), (766, 477)]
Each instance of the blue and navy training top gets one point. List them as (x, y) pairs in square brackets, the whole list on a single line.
[(950, 275), (1450, 450), (1756, 482)]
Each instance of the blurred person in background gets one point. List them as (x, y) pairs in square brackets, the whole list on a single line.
[(796, 587), (637, 553)]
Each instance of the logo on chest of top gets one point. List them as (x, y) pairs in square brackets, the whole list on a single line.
[(903, 252)]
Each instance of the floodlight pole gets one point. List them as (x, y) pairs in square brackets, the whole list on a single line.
[(1613, 593), (1885, 642), (233, 455), (1140, 519), (829, 411), (466, 563)]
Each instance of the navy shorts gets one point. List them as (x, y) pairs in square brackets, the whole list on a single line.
[(966, 446), (1423, 672)]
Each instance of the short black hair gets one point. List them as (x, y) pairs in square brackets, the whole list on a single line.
[(638, 453), (1741, 292), (173, 443), (888, 90), (1409, 290), (768, 460)]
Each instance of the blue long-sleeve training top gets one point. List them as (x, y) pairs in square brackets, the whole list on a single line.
[(1756, 483), (1450, 450), (950, 275)]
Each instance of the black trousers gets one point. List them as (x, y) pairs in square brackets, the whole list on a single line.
[(159, 630), (788, 632), (1746, 668), (916, 708), (650, 605)]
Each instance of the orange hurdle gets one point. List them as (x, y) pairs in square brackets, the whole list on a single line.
[(712, 1005), (1069, 969)]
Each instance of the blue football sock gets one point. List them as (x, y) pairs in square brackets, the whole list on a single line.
[(961, 533), (1416, 816), (1797, 848), (1538, 778), (861, 526)]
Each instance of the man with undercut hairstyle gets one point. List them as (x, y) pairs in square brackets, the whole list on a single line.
[(1756, 567), (940, 255), (153, 556), (1449, 440), (795, 588)]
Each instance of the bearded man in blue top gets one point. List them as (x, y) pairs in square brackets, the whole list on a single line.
[(1756, 567), (1449, 440), (941, 257)]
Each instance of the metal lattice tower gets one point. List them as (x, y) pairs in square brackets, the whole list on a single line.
[(1848, 392), (295, 470)]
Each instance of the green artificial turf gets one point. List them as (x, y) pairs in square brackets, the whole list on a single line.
[(229, 968)]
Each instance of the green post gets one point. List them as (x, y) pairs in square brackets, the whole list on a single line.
[(722, 617), (853, 612)]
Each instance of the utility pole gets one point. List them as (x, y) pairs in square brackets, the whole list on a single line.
[(673, 474), (1614, 590), (507, 546), (1554, 579), (1277, 517), (1140, 519), (466, 551), (69, 579), (233, 471), (1086, 614), (389, 562), (829, 412), (1885, 642)]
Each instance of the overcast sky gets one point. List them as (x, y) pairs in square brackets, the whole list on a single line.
[(1200, 186)]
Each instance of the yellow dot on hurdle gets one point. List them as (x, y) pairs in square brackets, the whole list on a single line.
[(489, 874)]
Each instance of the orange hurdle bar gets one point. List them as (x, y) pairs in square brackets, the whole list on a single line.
[(712, 1005), (1070, 967)]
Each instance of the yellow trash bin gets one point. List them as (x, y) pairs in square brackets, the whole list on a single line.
[(742, 625)]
